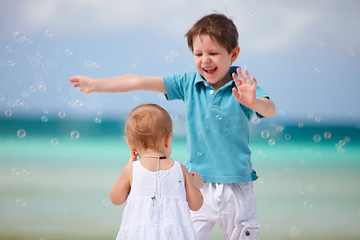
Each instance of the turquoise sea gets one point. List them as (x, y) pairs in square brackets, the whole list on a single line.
[(55, 177)]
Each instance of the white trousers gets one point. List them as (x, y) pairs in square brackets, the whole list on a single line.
[(232, 206)]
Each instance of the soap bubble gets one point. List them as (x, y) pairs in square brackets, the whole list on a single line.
[(8, 113), (75, 134), (307, 205), (44, 119), (62, 114), (300, 124), (69, 52), (271, 142), (19, 37), (20, 202), (294, 232), (327, 135), (287, 137), (265, 134), (21, 133), (316, 138), (98, 120), (54, 142)]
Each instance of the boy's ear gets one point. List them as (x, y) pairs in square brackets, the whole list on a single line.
[(235, 53)]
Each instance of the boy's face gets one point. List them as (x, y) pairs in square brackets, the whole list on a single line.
[(212, 60)]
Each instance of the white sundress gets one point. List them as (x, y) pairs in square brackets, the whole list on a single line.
[(165, 217)]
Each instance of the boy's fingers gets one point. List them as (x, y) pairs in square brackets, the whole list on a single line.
[(247, 76), (241, 76), (254, 81)]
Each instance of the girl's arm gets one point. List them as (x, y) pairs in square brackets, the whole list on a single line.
[(192, 187), (124, 83), (121, 188)]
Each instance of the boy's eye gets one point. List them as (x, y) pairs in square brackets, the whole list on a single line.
[(198, 54), (213, 54)]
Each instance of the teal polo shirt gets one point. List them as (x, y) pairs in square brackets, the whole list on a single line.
[(218, 131)]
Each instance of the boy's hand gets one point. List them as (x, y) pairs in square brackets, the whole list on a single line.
[(196, 180), (245, 92), (133, 156), (84, 83)]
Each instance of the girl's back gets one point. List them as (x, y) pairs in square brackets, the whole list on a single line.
[(156, 207)]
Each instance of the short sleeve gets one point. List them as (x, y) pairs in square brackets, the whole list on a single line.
[(175, 87)]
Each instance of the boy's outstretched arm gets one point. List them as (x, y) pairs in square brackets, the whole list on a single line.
[(124, 83), (245, 93)]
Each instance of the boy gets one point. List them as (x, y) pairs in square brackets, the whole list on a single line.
[(219, 103)]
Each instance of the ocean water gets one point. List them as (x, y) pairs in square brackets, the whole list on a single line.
[(55, 178)]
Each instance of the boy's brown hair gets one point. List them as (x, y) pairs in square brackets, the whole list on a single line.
[(218, 27), (147, 125)]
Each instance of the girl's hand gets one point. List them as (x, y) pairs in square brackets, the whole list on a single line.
[(196, 180), (246, 91), (84, 83), (133, 156)]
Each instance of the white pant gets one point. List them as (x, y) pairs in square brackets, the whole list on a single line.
[(232, 206)]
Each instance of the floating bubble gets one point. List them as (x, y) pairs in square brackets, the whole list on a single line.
[(21, 202), (98, 120), (32, 89), (310, 115), (199, 154), (347, 139), (307, 205), (136, 98), (218, 117), (271, 142), (26, 172), (99, 113), (316, 138), (21, 133), (300, 124), (15, 172), (300, 191), (279, 128), (48, 34), (19, 37), (321, 43), (265, 134), (69, 52), (54, 142), (351, 53), (327, 135), (25, 94), (62, 114), (317, 70), (105, 202), (45, 111), (11, 63), (251, 13), (44, 119), (287, 137), (74, 134), (8, 113), (294, 232), (174, 116), (318, 119)]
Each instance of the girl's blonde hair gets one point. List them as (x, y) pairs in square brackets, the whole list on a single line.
[(146, 125)]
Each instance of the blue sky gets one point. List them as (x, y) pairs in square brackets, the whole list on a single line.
[(305, 54)]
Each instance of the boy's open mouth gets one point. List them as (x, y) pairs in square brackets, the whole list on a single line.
[(210, 70)]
